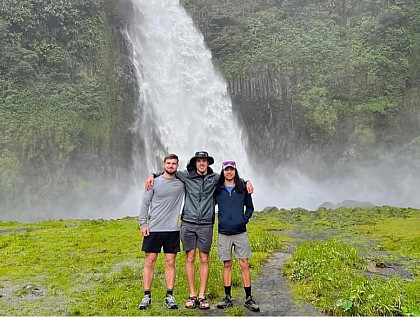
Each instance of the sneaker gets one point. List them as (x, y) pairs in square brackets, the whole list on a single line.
[(225, 303), (145, 302), (171, 302), (250, 304)]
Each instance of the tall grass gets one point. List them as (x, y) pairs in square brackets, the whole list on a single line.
[(331, 276)]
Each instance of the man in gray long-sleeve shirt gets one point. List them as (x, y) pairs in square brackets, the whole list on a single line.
[(159, 213)]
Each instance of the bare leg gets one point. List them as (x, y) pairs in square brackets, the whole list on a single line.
[(170, 270), (246, 274), (204, 273), (190, 271), (227, 273), (148, 270)]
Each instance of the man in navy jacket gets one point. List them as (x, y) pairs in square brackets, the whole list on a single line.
[(232, 198)]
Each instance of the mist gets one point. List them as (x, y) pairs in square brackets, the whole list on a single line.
[(385, 181)]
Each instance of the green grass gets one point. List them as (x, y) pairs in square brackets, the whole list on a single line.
[(401, 235), (94, 267), (331, 273)]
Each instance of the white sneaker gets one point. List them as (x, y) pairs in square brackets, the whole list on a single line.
[(145, 302), (171, 302)]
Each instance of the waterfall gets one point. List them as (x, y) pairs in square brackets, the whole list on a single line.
[(184, 105)]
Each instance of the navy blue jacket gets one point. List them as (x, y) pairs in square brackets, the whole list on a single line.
[(232, 216)]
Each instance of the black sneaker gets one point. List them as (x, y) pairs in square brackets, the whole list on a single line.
[(225, 303), (171, 302), (250, 304), (145, 302)]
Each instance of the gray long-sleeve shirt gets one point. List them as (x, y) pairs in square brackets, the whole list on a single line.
[(161, 205)]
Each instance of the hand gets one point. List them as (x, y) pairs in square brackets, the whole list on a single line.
[(149, 182), (249, 187), (145, 231)]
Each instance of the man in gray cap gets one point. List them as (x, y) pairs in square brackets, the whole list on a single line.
[(197, 218)]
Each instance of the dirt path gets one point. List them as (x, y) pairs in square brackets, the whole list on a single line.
[(272, 292)]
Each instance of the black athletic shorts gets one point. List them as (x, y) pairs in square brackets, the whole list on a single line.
[(154, 242)]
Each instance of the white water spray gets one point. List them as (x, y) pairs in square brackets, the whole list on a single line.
[(181, 92)]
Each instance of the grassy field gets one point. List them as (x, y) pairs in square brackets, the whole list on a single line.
[(366, 261), (94, 267)]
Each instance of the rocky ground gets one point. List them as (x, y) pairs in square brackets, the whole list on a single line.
[(272, 292)]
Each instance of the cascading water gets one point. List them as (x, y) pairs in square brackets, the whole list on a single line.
[(184, 106)]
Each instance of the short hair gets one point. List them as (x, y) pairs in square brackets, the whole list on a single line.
[(170, 157)]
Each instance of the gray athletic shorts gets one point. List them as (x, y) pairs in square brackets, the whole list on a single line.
[(239, 242), (194, 236)]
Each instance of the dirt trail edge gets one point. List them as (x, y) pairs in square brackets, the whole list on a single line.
[(272, 292)]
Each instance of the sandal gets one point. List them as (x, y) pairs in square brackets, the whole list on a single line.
[(191, 302), (203, 303)]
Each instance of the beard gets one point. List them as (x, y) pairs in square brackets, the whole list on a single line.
[(170, 172)]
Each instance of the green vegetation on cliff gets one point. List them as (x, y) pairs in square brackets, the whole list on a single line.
[(57, 98)]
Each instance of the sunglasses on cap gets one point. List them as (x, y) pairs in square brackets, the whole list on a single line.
[(201, 154), (228, 164)]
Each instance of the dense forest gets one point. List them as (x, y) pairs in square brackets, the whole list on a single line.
[(325, 82)]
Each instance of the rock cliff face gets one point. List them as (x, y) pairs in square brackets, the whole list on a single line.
[(126, 92), (271, 119)]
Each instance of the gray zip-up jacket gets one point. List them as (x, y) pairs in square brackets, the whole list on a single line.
[(199, 199)]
